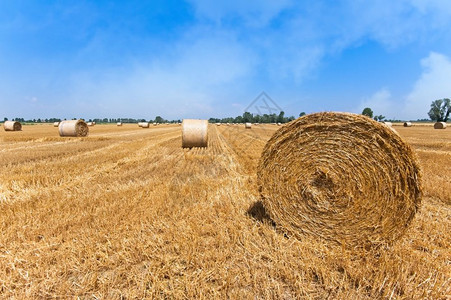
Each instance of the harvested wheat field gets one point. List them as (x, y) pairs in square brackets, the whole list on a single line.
[(129, 213)]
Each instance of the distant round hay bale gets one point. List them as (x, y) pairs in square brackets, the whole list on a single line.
[(194, 133), (341, 177), (90, 124), (76, 128), (154, 124), (247, 125), (144, 125), (390, 124), (94, 123), (119, 123), (440, 125), (407, 124), (12, 126), (278, 124), (56, 124)]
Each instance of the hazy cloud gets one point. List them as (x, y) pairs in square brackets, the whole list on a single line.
[(433, 84)]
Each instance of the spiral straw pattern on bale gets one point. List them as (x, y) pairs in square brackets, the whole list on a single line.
[(77, 128), (194, 133), (12, 126), (340, 177), (440, 125)]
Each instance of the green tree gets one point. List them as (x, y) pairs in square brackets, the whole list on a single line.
[(367, 112), (379, 118), (280, 118), (302, 114), (440, 110), (159, 119)]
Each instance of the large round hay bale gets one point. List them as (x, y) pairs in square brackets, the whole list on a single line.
[(73, 128), (440, 125), (56, 124), (341, 177), (407, 124), (12, 126), (144, 125), (194, 133), (248, 125)]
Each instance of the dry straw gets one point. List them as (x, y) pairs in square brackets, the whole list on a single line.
[(340, 177), (194, 133), (407, 124), (12, 126), (248, 125), (76, 128), (440, 125)]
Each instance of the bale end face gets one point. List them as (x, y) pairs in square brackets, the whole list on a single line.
[(317, 178), (407, 124), (194, 133)]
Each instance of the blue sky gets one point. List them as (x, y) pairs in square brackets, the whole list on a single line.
[(199, 58)]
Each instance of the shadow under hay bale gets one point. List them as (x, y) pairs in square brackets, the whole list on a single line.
[(342, 178)]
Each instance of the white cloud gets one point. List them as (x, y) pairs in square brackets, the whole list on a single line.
[(381, 103), (254, 13), (433, 83)]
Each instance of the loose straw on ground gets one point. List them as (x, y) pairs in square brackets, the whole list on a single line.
[(77, 128), (340, 177), (194, 133)]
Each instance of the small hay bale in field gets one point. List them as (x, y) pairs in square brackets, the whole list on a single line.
[(12, 126), (389, 124), (94, 123), (407, 124), (56, 124), (144, 125), (440, 125), (76, 128), (154, 124), (247, 125), (119, 123), (194, 133), (278, 124), (90, 124), (340, 177), (218, 124)]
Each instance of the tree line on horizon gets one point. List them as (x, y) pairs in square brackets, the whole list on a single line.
[(439, 112)]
